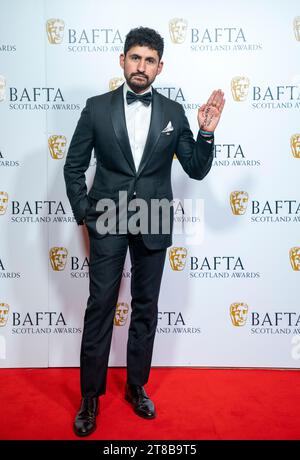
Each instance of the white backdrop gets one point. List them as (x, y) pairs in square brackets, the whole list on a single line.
[(242, 254)]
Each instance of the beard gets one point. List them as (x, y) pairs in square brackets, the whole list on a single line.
[(138, 84)]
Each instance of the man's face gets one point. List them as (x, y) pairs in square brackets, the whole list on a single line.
[(141, 65)]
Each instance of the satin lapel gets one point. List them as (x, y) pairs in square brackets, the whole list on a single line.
[(119, 124), (154, 129)]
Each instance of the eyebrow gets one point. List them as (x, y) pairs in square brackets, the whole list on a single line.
[(139, 56)]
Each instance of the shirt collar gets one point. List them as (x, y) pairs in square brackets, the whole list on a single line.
[(127, 88)]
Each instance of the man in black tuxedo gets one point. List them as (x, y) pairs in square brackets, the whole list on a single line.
[(134, 131)]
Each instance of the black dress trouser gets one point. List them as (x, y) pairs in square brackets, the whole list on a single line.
[(107, 257)]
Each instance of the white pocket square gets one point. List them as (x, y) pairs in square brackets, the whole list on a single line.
[(168, 129)]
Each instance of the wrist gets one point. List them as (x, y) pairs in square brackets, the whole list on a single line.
[(207, 135), (203, 132)]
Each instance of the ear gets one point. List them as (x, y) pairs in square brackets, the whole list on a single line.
[(122, 60), (160, 67)]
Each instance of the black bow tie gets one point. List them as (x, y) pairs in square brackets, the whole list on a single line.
[(144, 98)]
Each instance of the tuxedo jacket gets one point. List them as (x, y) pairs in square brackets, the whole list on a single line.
[(102, 127)]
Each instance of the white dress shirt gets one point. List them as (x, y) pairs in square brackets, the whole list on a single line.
[(137, 117)]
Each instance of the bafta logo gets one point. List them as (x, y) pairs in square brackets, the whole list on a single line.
[(115, 83), (3, 202), (238, 313), (297, 28), (57, 146), (2, 88), (58, 258), (295, 145), (295, 258), (240, 88), (177, 258), (55, 31), (177, 29), (239, 202), (4, 310), (121, 314)]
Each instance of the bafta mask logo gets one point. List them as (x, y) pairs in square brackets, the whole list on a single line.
[(239, 202), (3, 202), (121, 314), (177, 258), (115, 83), (57, 146), (4, 310), (2, 88), (297, 28), (55, 31), (58, 258), (295, 258), (295, 145), (240, 88), (178, 29), (238, 313)]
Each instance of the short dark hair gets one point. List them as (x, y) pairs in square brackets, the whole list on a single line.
[(143, 36)]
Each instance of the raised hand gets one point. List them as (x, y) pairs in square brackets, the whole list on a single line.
[(209, 114)]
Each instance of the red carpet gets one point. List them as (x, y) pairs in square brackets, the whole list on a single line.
[(191, 404)]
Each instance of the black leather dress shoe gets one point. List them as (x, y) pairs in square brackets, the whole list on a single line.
[(85, 420), (138, 398)]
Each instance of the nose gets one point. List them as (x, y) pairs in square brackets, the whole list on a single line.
[(141, 66)]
